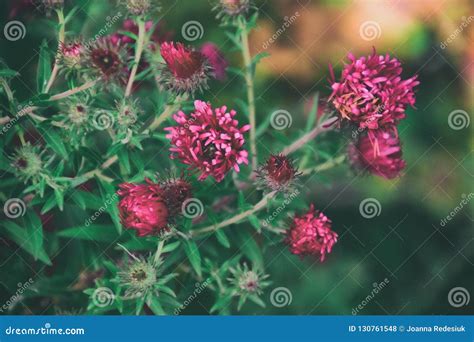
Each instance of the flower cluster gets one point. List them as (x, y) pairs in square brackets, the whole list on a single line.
[(372, 95), (209, 140), (311, 234)]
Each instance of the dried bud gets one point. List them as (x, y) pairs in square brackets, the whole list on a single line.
[(232, 8), (277, 174), (105, 59), (175, 192)]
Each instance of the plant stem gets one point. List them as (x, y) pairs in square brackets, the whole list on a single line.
[(250, 94), (73, 91), (138, 54), (169, 110), (61, 39), (98, 171), (235, 219), (325, 126), (325, 166)]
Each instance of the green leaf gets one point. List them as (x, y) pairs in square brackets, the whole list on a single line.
[(222, 238), (93, 232), (7, 73), (171, 247), (192, 252), (54, 141), (155, 306), (59, 195), (44, 67), (256, 299), (221, 303), (250, 249), (263, 126), (78, 199), (313, 114), (124, 160), (254, 221), (257, 58), (49, 204), (110, 200), (71, 14), (29, 236)]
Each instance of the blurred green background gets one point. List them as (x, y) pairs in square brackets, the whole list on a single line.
[(406, 243)]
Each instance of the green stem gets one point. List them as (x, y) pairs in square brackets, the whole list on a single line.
[(61, 39), (73, 91), (325, 166), (169, 110), (322, 127), (138, 54), (237, 218), (250, 93)]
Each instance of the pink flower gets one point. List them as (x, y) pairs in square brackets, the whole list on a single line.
[(143, 208), (371, 92), (72, 54), (380, 153), (216, 59), (186, 70), (311, 234), (209, 140)]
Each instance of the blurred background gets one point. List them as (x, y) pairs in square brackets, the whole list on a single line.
[(407, 246)]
